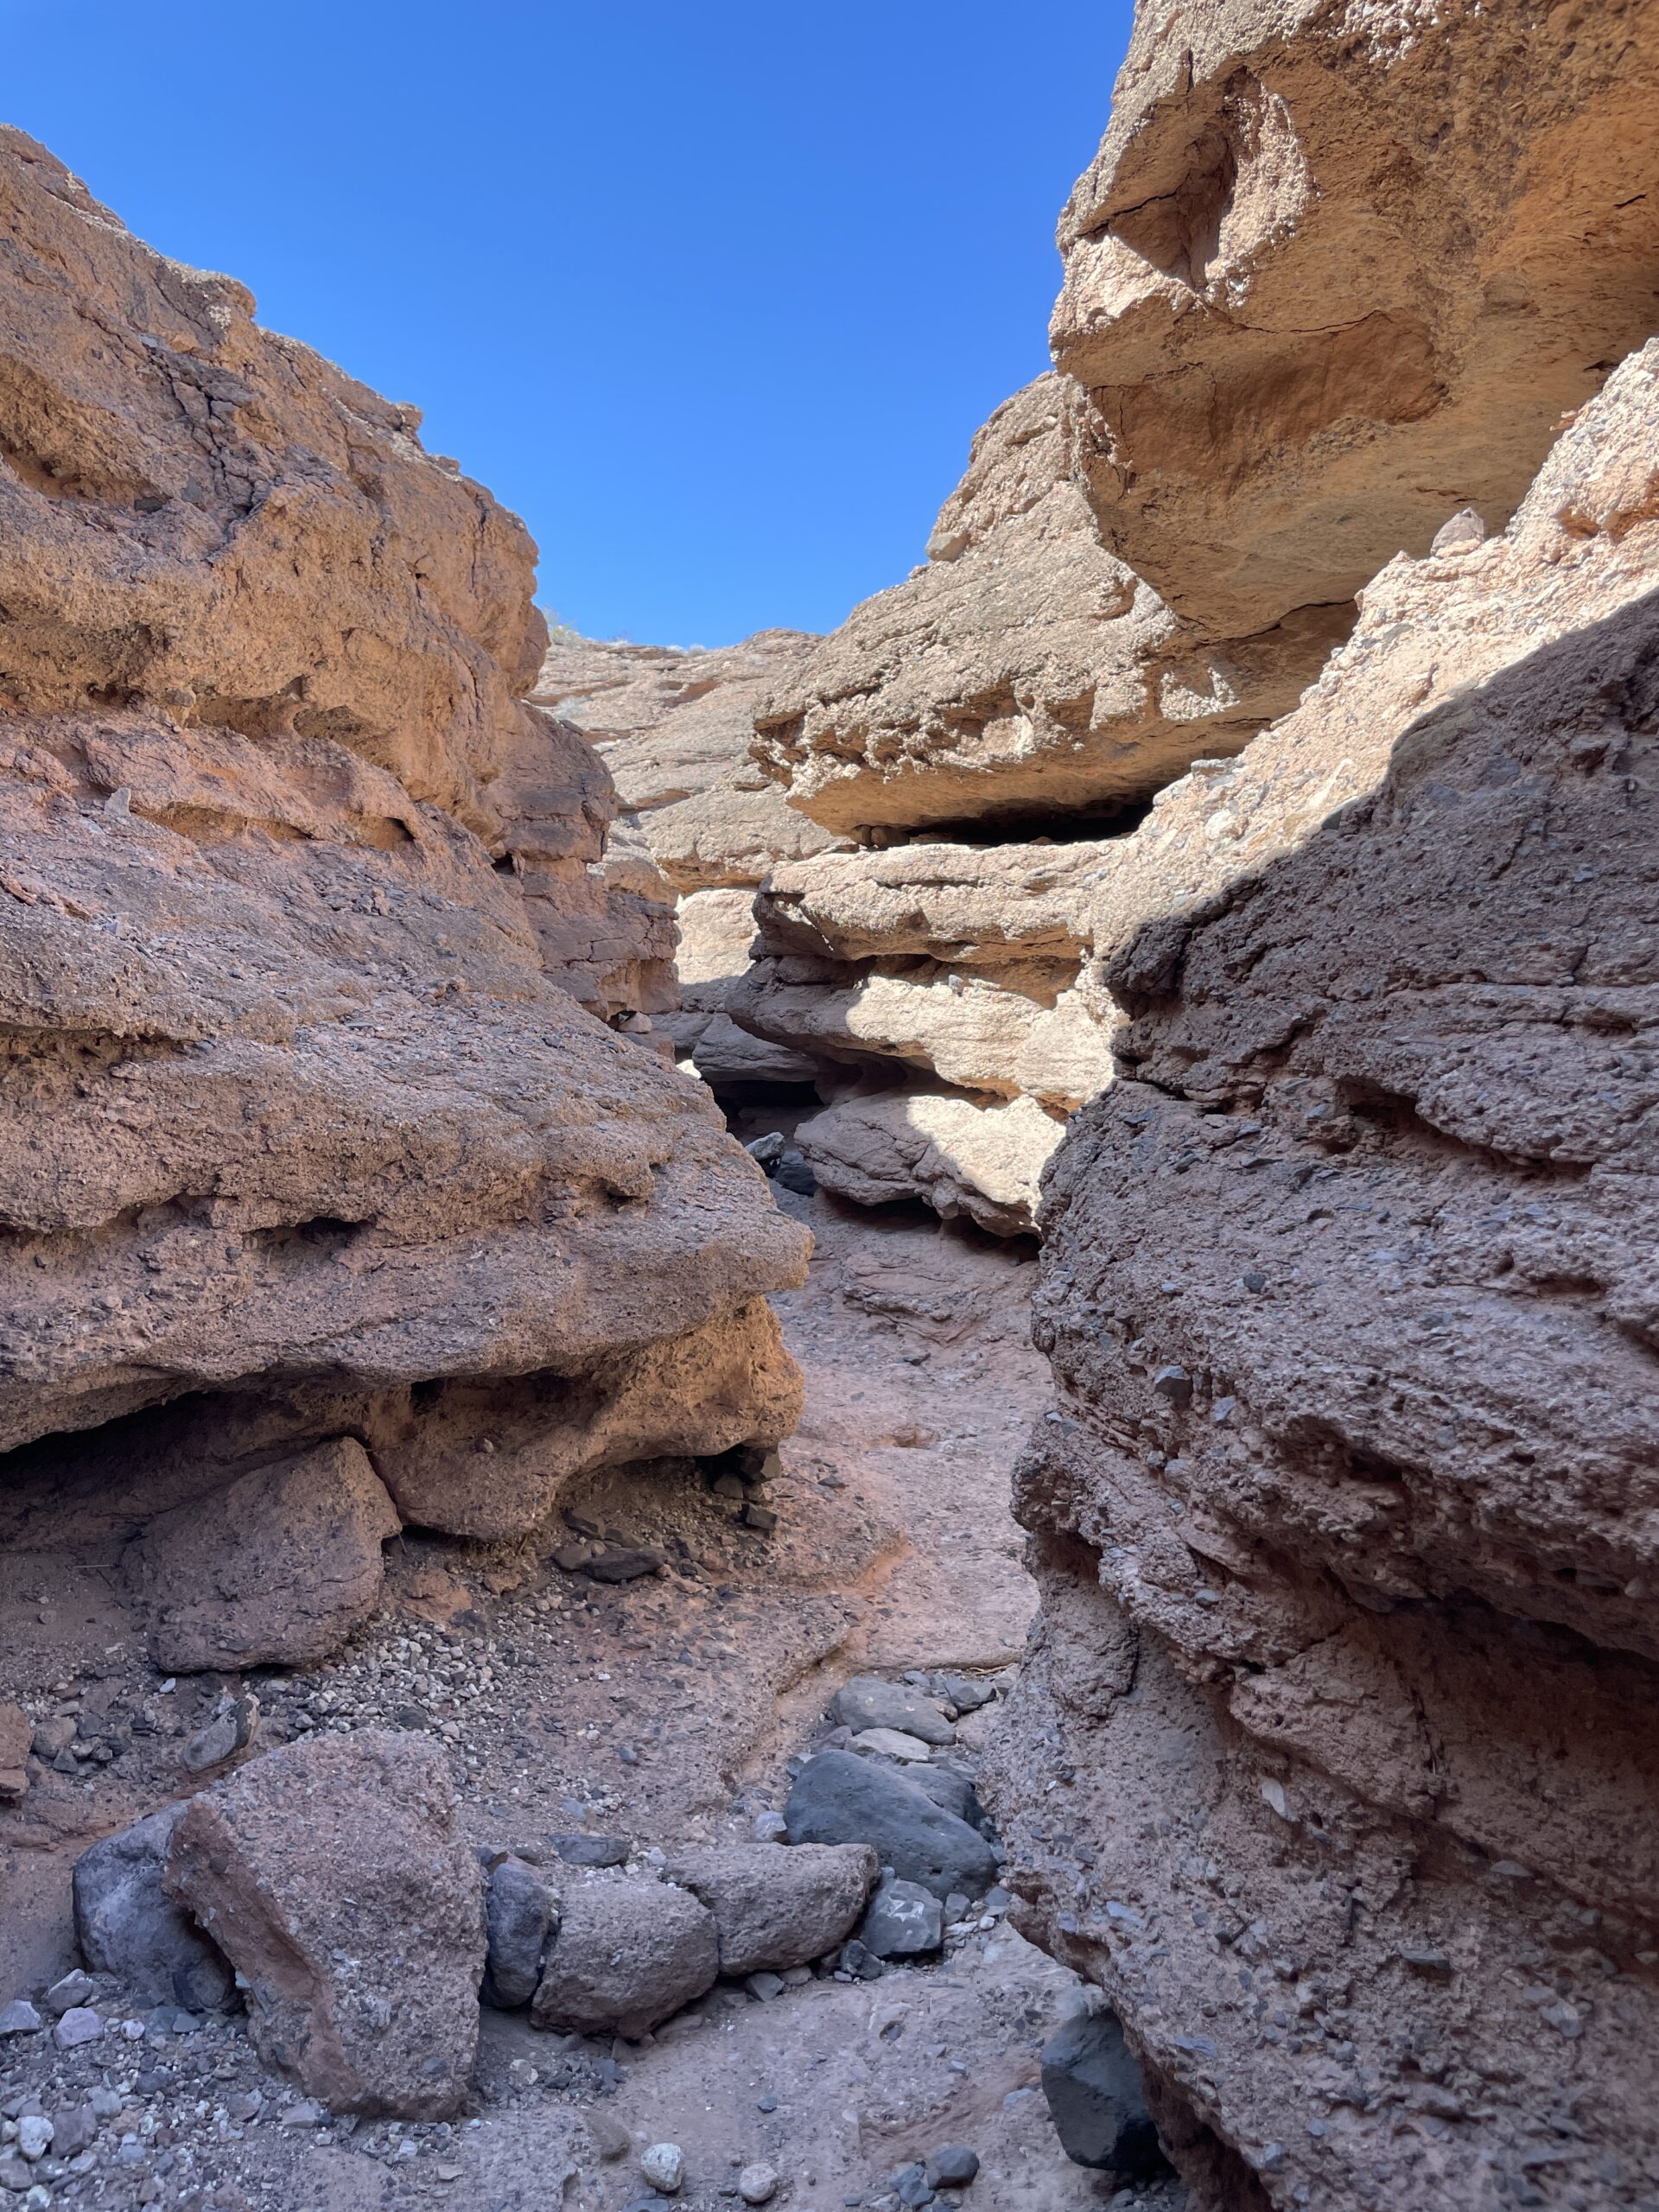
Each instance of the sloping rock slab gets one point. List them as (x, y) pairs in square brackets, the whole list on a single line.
[(332, 1877)]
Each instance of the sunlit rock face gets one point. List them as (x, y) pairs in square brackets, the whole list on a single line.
[(1337, 271), (1334, 1764), (303, 1118)]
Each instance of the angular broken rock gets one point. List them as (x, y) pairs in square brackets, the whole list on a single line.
[(868, 1702), (128, 1926), (775, 1908), (229, 1728), (839, 1797), (903, 1921), (332, 1877), (1093, 2087), (521, 1913), (626, 1955), (276, 1569), (14, 1737)]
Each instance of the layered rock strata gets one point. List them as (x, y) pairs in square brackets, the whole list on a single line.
[(1337, 271), (303, 1126), (1344, 1513), (675, 726)]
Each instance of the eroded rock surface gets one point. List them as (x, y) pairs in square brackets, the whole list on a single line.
[(1024, 668), (1337, 271), (296, 897), (1343, 1510)]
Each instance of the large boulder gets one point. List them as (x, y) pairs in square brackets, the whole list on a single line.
[(1342, 1514), (276, 1569), (1325, 282), (332, 1876), (776, 1908), (627, 1955), (840, 1797)]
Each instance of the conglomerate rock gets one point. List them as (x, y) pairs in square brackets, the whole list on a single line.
[(1338, 269), (301, 1121), (1344, 1514)]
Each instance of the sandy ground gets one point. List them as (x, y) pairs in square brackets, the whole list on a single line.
[(661, 1711)]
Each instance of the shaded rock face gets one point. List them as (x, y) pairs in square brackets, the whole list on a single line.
[(1024, 668), (675, 726), (1336, 272), (1343, 1514), (332, 1877), (301, 1120)]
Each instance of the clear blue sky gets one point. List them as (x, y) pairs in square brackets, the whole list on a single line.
[(713, 295)]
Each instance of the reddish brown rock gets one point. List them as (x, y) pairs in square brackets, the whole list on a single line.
[(276, 1569), (301, 1111), (16, 1734), (332, 1877)]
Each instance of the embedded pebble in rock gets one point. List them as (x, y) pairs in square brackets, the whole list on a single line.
[(867, 1702), (664, 2167)]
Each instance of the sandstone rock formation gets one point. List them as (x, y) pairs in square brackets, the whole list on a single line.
[(1343, 1512), (675, 727), (1024, 669), (303, 1126), (332, 1877), (1335, 273)]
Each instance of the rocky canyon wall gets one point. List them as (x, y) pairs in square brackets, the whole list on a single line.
[(307, 1142), (675, 726), (1333, 1764)]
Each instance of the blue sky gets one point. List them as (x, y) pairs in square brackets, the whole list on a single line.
[(714, 296)]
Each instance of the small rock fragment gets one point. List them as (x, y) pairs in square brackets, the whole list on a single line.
[(20, 2019), (231, 1728), (80, 2024), (17, 1735), (757, 2184), (591, 1850), (904, 1920), (73, 1989), (868, 1702), (664, 2167), (953, 2165)]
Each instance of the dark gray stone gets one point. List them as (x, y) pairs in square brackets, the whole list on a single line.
[(953, 2165), (1096, 2100), (794, 1175), (903, 1921), (950, 1787), (129, 1927), (862, 1964), (839, 1797), (591, 1850), (521, 1913)]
